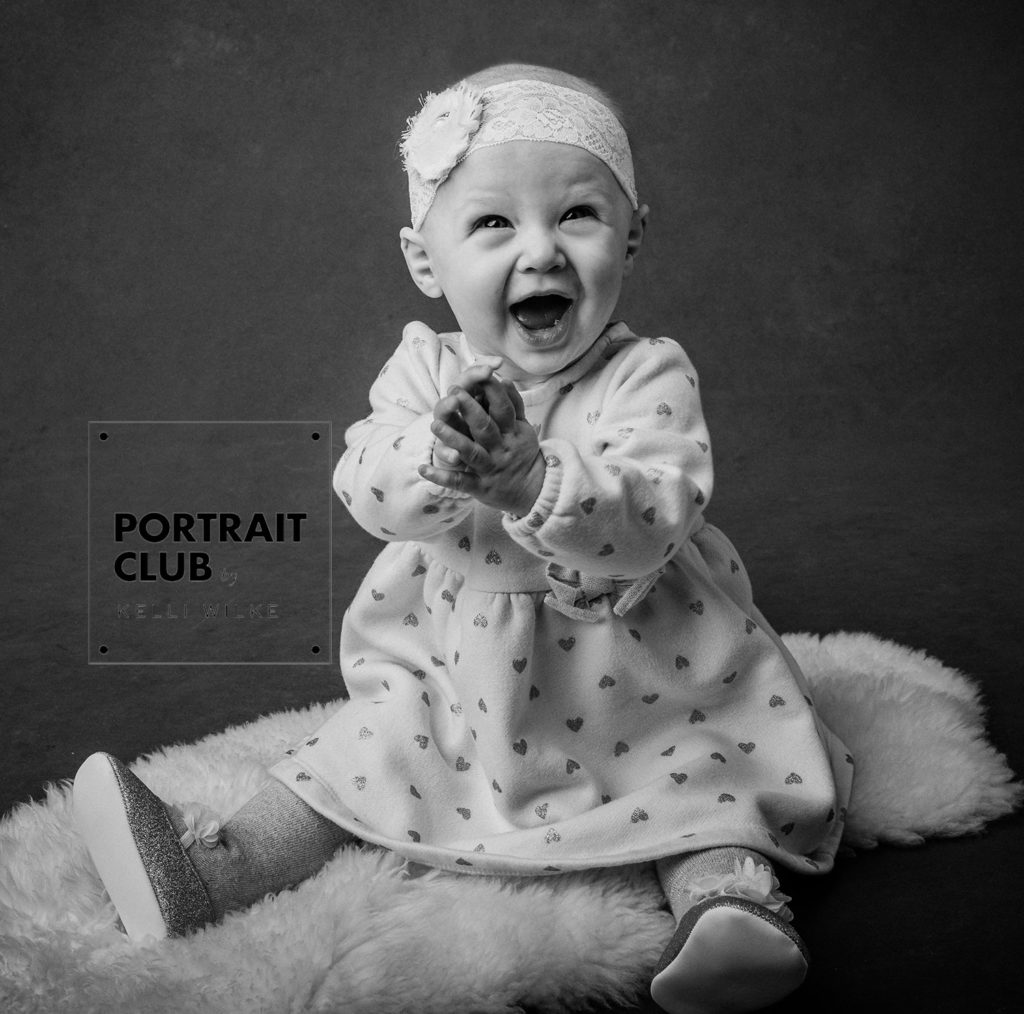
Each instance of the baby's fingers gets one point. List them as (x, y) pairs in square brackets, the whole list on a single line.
[(447, 410), (504, 404), (516, 399), (482, 428), (479, 373), (443, 477), (446, 456), (468, 450)]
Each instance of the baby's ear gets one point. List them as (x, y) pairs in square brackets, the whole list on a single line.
[(417, 260), (635, 237)]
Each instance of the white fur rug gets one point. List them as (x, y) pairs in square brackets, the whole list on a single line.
[(365, 937)]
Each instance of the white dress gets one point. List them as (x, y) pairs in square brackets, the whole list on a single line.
[(588, 685)]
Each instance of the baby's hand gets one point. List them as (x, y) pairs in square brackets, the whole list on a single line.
[(484, 421), (447, 411), (474, 379)]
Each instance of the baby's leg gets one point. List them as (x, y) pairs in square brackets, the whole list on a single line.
[(164, 882), (733, 949), (273, 842)]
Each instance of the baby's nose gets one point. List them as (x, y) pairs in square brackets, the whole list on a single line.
[(540, 251)]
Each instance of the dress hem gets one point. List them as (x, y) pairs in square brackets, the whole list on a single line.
[(471, 862)]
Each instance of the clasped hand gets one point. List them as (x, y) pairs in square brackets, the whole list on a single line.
[(485, 446)]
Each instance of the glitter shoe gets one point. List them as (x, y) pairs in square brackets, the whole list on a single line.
[(138, 853), (728, 955)]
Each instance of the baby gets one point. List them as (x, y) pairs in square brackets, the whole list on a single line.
[(555, 663)]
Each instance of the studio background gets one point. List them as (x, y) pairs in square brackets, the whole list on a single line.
[(199, 220)]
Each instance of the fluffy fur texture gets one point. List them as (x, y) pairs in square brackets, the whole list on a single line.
[(366, 936)]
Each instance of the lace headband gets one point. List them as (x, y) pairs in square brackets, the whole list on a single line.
[(452, 125)]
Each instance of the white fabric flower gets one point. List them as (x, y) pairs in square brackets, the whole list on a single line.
[(201, 825), (750, 880), (441, 132)]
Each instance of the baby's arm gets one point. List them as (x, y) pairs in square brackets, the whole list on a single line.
[(622, 498), (482, 422), (378, 475)]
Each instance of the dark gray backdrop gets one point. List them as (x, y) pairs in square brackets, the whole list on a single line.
[(198, 220)]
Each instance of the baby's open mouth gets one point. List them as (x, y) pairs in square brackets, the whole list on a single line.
[(540, 312)]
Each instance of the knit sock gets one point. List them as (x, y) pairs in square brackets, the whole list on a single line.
[(273, 842), (676, 873)]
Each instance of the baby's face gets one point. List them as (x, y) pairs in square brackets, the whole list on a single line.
[(529, 242)]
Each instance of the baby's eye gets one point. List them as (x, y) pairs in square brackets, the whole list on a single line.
[(491, 222), (580, 211)]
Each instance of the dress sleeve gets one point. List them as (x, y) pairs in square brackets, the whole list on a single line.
[(377, 476), (620, 502)]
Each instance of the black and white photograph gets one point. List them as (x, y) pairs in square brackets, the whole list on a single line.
[(511, 507)]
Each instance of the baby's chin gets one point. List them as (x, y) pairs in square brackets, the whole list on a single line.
[(531, 370), (529, 357)]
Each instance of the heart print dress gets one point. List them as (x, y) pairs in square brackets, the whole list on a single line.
[(588, 685)]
